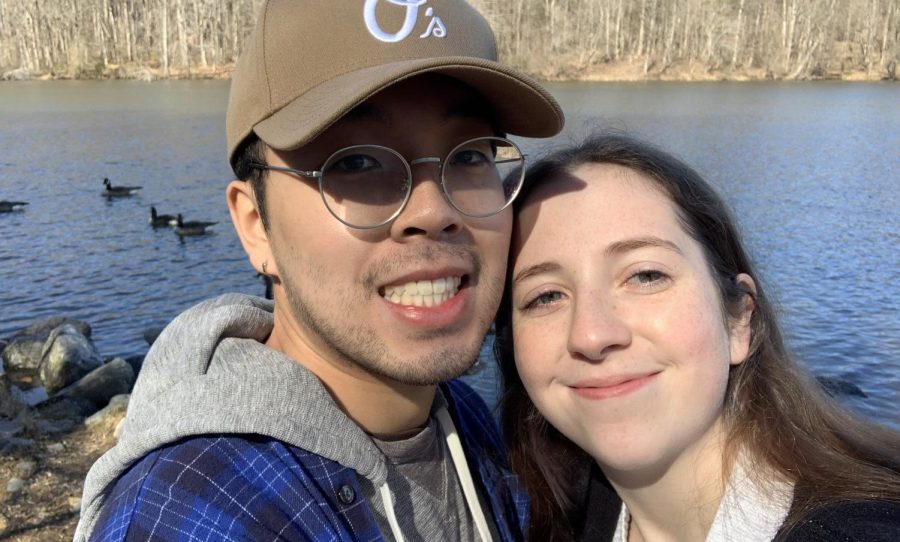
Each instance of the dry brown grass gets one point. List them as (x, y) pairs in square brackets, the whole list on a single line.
[(46, 509)]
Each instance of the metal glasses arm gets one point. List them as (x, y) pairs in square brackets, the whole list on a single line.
[(300, 172)]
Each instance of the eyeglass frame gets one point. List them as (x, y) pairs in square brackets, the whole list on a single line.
[(317, 174)]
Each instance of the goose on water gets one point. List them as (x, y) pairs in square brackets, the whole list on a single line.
[(191, 228), (10, 206), (157, 220), (118, 191)]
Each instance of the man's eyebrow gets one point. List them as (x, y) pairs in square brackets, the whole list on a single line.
[(537, 269), (627, 245), (470, 108)]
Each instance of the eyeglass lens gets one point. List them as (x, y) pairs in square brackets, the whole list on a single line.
[(365, 186)]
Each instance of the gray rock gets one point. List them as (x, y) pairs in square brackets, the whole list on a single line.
[(11, 445), (15, 485), (26, 347), (45, 326), (117, 405), (839, 386), (103, 383), (10, 402), (136, 363), (23, 353), (56, 448), (29, 396), (9, 429), (74, 503), (67, 356), (55, 426), (24, 469), (72, 409), (151, 333)]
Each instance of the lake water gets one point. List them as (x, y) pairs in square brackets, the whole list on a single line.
[(811, 169)]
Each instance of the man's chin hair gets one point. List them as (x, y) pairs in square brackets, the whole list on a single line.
[(412, 372)]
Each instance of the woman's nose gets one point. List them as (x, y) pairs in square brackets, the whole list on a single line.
[(597, 328)]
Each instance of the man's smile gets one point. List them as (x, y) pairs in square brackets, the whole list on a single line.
[(422, 293)]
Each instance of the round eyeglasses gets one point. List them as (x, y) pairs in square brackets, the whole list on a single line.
[(367, 186)]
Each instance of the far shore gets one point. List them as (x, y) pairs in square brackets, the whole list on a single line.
[(621, 71)]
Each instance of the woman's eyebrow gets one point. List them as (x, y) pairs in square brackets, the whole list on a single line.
[(627, 245), (537, 269), (613, 249)]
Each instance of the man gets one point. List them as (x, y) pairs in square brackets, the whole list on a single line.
[(372, 192)]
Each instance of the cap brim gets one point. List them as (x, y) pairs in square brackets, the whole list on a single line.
[(521, 105)]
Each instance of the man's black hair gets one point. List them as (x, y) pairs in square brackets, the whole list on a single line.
[(253, 150)]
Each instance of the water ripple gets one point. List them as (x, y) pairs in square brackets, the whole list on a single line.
[(816, 196)]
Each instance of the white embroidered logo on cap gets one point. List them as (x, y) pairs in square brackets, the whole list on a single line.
[(436, 27)]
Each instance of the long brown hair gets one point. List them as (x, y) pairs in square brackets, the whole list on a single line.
[(774, 410)]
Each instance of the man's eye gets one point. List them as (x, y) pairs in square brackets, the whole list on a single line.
[(355, 163), (470, 157)]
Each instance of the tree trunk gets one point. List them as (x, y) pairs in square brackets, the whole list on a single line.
[(182, 37), (164, 15), (737, 35)]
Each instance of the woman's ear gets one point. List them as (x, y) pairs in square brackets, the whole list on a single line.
[(249, 226), (740, 330)]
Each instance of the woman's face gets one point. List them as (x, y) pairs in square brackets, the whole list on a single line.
[(619, 332)]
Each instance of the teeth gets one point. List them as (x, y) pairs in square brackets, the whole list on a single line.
[(423, 293)]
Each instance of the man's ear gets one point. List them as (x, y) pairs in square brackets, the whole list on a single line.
[(248, 224), (740, 332)]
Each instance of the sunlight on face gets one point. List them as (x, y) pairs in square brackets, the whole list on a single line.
[(413, 299), (619, 333)]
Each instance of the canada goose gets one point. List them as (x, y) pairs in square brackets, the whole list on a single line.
[(191, 228), (161, 220), (118, 191), (10, 206)]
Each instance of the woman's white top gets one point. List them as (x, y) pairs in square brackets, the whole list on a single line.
[(747, 512)]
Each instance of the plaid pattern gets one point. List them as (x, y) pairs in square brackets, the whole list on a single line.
[(251, 487)]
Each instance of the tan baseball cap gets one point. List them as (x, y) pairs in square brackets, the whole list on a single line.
[(309, 62)]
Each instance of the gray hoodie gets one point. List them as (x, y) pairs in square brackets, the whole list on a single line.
[(208, 372)]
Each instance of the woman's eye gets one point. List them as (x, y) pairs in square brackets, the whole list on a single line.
[(647, 278), (355, 163), (546, 298)]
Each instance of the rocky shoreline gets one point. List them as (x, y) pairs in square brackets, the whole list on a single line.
[(61, 406)]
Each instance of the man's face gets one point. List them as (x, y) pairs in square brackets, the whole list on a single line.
[(350, 292)]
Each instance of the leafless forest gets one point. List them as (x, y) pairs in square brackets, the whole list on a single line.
[(554, 39)]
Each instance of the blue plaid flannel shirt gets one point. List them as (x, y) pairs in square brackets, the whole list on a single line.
[(252, 487)]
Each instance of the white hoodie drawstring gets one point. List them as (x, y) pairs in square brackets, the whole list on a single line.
[(462, 471), (388, 502)]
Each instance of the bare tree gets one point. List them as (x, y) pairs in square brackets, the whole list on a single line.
[(550, 38)]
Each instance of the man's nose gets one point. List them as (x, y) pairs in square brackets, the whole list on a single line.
[(427, 212)]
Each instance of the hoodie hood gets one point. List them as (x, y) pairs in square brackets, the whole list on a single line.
[(209, 372)]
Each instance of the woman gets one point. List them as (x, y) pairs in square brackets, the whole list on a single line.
[(637, 338)]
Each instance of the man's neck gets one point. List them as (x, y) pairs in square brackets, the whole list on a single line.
[(381, 406)]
